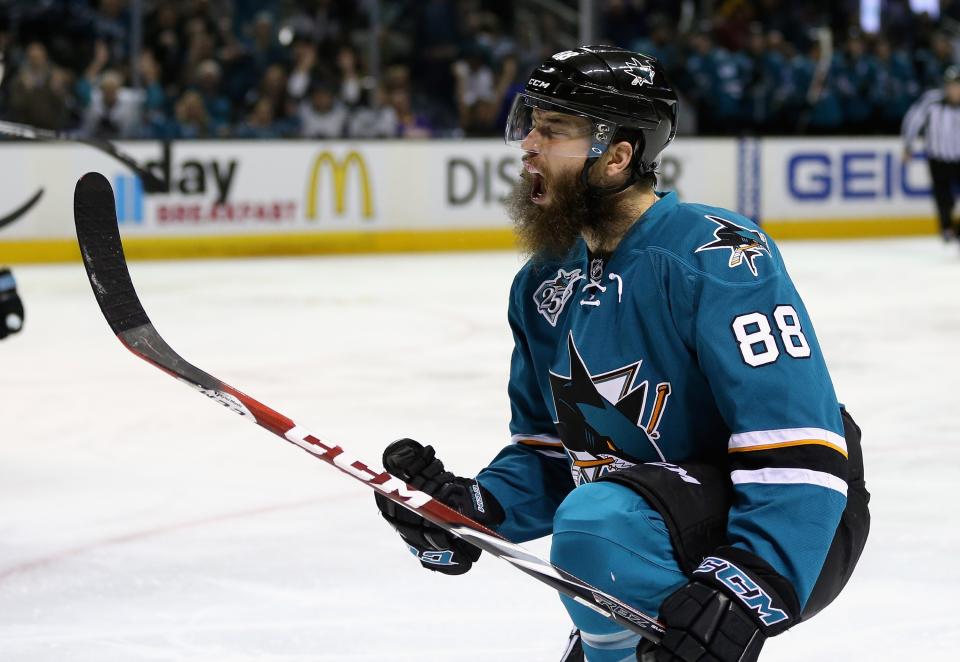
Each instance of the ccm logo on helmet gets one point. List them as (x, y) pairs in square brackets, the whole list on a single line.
[(542, 84)]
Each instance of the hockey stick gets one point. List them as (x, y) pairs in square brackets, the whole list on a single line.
[(151, 183), (102, 251)]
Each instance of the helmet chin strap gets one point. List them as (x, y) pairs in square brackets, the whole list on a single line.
[(604, 191)]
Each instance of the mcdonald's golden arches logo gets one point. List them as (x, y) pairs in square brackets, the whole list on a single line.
[(340, 169)]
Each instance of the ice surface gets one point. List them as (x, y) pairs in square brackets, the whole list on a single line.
[(139, 522)]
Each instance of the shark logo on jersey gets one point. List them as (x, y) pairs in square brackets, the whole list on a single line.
[(641, 73), (744, 245), (599, 417), (553, 294)]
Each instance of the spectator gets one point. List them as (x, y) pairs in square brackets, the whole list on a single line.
[(114, 111), (273, 88), (163, 40), (263, 47), (476, 94), (191, 119), (759, 81), (622, 21), (109, 23), (155, 99), (411, 123), (438, 33), (322, 115), (896, 87), (857, 77), (304, 69), (201, 47), (509, 83), (785, 101), (717, 88), (815, 80), (491, 37), (660, 44), (216, 104), (262, 123), (933, 63), (237, 52), (378, 119), (351, 87), (39, 93)]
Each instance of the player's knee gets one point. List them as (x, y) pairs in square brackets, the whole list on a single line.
[(595, 515)]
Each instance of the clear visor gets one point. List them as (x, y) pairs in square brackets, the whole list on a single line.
[(538, 125)]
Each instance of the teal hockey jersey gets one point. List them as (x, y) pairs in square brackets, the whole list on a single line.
[(688, 343)]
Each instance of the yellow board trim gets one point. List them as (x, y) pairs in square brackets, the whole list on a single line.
[(787, 444), (403, 241), (850, 228), (306, 243)]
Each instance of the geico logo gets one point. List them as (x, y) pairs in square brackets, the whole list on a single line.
[(466, 179), (339, 169), (861, 175), (193, 177)]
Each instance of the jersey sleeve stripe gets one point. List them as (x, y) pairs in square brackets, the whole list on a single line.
[(784, 476), (747, 440), (545, 440), (788, 444), (544, 444), (812, 457)]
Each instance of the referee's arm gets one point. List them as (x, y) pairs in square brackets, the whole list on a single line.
[(916, 119)]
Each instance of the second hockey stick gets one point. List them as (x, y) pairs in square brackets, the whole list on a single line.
[(151, 183), (102, 251)]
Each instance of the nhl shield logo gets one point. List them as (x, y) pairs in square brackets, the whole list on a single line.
[(553, 294)]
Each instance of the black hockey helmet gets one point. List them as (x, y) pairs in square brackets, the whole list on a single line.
[(624, 95)]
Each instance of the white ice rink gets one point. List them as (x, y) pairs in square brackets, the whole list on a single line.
[(138, 521)]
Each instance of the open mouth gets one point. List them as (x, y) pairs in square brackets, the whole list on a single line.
[(538, 188)]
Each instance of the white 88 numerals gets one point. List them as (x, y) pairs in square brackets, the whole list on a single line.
[(757, 343)]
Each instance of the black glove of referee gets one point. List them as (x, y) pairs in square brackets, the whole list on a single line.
[(725, 614), (11, 308), (437, 550)]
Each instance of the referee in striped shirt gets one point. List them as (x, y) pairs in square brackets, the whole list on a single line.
[(936, 115)]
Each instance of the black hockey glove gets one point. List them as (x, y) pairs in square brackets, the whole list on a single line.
[(11, 308), (725, 614), (437, 550)]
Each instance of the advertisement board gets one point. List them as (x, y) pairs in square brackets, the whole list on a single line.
[(835, 187), (290, 197)]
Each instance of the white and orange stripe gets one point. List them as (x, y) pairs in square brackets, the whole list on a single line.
[(762, 440), (545, 444)]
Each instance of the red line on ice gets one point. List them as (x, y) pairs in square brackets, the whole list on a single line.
[(27, 566)]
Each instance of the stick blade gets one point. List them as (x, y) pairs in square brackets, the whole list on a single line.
[(95, 216)]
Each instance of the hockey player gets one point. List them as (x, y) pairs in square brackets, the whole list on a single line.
[(11, 307), (673, 424)]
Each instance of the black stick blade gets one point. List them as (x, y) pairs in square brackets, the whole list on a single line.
[(95, 215)]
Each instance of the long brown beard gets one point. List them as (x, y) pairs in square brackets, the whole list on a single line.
[(549, 231)]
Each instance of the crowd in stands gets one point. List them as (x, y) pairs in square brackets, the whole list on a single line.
[(282, 69)]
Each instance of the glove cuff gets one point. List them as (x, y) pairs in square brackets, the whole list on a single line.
[(473, 500), (764, 594)]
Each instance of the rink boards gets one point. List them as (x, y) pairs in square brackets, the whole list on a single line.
[(299, 197)]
